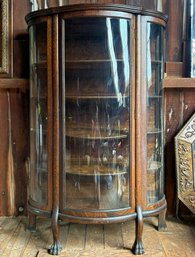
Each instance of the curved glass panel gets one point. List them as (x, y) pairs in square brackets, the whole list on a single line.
[(97, 63), (155, 72), (38, 109)]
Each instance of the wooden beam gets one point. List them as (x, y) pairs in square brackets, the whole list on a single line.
[(14, 83), (176, 82)]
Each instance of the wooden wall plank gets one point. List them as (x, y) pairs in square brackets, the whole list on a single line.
[(20, 116), (173, 118), (20, 9), (14, 119), (174, 31), (179, 107), (20, 39), (13, 150), (179, 95), (3, 151)]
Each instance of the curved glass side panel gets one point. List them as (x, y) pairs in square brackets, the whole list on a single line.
[(155, 72), (97, 84), (38, 109)]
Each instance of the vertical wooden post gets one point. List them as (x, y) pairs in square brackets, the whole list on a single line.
[(56, 246)]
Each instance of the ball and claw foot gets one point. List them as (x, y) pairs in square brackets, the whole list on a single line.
[(138, 248), (55, 248), (162, 227), (31, 229)]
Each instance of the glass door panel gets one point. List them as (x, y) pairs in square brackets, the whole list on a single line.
[(97, 66), (155, 73), (38, 109)]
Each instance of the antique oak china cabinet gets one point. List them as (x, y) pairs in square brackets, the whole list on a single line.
[(96, 116)]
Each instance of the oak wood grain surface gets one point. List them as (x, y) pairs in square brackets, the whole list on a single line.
[(19, 102)]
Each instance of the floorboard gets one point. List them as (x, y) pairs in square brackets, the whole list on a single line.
[(110, 240)]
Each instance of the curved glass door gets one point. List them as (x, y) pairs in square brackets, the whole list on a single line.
[(38, 108), (155, 73), (96, 91)]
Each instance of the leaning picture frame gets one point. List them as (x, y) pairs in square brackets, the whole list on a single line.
[(6, 43), (192, 28), (185, 165)]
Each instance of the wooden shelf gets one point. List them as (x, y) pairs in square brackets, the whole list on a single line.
[(94, 135), (94, 60), (88, 97), (94, 170), (117, 126)]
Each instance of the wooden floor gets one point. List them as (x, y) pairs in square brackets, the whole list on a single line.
[(96, 240)]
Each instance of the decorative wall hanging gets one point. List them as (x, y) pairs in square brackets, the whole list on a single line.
[(185, 164), (5, 38)]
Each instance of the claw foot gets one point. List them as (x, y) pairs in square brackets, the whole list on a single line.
[(55, 248), (162, 227), (138, 247), (31, 229)]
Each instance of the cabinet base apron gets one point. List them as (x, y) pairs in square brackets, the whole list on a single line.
[(138, 216)]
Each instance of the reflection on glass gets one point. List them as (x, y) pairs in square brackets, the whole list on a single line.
[(154, 113), (97, 130), (38, 108)]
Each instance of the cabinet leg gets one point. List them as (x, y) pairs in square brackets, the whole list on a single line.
[(161, 221), (32, 222), (56, 246), (138, 245)]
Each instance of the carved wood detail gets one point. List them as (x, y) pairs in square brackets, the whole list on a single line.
[(5, 38), (185, 156)]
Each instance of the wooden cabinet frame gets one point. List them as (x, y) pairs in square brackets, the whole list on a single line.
[(138, 206)]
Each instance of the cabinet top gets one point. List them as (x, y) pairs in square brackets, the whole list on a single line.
[(95, 7)]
